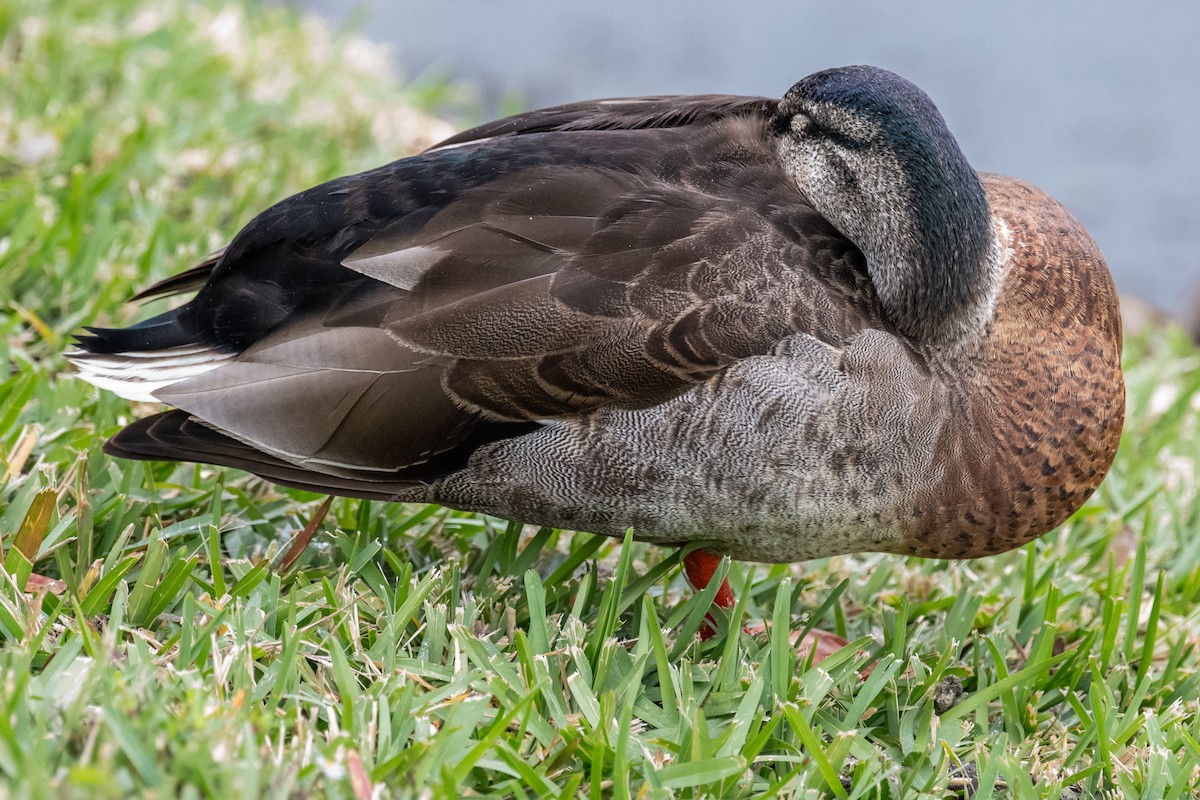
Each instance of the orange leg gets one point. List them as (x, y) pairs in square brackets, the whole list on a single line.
[(699, 565)]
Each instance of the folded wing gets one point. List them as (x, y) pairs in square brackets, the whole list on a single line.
[(558, 287)]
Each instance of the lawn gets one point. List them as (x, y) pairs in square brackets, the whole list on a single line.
[(156, 640)]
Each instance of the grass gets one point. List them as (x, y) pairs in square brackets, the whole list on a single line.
[(150, 645)]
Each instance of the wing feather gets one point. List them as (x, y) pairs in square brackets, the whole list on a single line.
[(556, 280)]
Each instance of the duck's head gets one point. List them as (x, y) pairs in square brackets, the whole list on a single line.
[(874, 157)]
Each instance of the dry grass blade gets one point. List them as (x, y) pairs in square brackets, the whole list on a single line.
[(37, 521), (37, 583), (21, 451), (302, 540), (360, 782)]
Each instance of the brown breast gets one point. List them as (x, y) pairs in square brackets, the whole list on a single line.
[(1040, 399)]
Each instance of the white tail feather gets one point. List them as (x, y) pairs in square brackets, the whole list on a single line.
[(137, 375)]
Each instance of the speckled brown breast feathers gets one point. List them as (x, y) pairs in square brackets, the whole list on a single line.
[(1042, 397)]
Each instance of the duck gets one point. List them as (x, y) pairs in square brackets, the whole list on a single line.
[(768, 329)]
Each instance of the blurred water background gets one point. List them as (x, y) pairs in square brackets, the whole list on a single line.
[(1097, 102)]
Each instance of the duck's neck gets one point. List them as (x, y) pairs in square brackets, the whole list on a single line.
[(935, 262)]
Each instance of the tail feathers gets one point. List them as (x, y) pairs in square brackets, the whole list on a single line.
[(137, 375), (185, 281), (157, 333), (177, 436)]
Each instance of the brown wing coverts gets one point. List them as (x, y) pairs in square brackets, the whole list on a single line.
[(648, 282)]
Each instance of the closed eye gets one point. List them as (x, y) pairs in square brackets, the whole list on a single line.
[(843, 141), (804, 125)]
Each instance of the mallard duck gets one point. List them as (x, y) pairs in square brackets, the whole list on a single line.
[(784, 328)]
